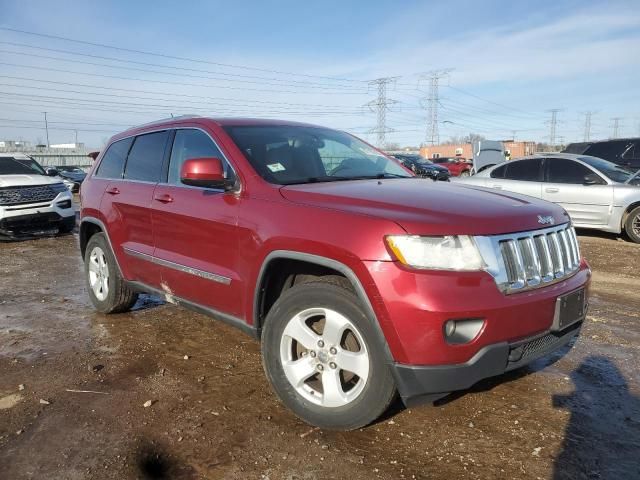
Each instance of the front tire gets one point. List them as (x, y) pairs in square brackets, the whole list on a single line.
[(465, 173), (108, 291), (323, 357), (632, 225)]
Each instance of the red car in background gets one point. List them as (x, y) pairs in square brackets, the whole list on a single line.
[(457, 166)]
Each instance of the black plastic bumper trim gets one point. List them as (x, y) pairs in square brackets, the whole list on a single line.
[(417, 384)]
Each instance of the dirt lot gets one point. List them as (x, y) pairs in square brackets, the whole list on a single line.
[(213, 414)]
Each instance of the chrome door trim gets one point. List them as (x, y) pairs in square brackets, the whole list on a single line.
[(179, 267)]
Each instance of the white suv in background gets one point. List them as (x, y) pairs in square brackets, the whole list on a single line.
[(32, 203)]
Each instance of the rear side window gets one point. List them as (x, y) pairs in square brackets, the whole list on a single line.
[(113, 160), (498, 172), (145, 158), (524, 170)]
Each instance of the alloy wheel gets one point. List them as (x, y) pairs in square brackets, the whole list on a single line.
[(324, 357), (99, 273)]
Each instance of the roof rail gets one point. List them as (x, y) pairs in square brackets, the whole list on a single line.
[(162, 120)]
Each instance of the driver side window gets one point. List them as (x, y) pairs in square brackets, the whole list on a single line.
[(562, 170)]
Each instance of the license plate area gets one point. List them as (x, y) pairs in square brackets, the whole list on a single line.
[(570, 308)]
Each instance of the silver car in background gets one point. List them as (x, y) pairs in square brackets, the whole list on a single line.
[(596, 193)]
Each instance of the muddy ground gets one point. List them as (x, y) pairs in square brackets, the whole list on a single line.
[(572, 416)]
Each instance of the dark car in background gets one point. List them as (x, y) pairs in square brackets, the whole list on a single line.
[(621, 151), (423, 167), (73, 174)]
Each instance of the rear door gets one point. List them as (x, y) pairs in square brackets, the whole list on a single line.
[(127, 203), (586, 204), (196, 233), (520, 176)]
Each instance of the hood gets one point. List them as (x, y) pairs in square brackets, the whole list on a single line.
[(26, 180), (424, 207)]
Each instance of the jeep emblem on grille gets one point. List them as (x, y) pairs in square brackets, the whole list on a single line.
[(545, 219)]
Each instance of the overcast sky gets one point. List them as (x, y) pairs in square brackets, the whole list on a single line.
[(310, 61)]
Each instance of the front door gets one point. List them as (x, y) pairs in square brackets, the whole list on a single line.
[(195, 232), (586, 204)]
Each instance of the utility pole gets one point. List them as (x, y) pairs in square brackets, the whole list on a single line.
[(553, 123), (46, 127), (76, 143), (616, 126), (433, 103), (587, 125), (380, 106)]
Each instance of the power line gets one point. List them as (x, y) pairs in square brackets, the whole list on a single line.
[(173, 67), (181, 74), (171, 94), (380, 106), (182, 84), (174, 57)]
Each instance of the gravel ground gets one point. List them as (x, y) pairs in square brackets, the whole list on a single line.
[(162, 392)]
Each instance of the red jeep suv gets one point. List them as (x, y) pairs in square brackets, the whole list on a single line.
[(360, 280)]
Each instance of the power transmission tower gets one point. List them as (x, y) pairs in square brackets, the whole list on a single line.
[(553, 124), (587, 125), (616, 126), (433, 103), (380, 106)]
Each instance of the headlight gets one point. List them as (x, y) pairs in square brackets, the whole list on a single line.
[(457, 252)]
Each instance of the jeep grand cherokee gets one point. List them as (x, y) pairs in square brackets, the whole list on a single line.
[(359, 279)]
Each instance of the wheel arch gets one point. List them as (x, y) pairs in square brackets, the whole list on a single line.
[(626, 213), (628, 209), (89, 226)]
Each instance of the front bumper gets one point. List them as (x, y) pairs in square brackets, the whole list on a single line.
[(33, 220), (418, 384), (35, 225)]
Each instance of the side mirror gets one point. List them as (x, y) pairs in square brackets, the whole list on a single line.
[(592, 179), (52, 172), (203, 172)]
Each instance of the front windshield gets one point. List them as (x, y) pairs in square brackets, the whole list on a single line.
[(611, 170), (13, 166), (287, 155)]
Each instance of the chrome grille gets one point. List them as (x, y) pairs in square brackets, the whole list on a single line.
[(534, 259), (23, 195)]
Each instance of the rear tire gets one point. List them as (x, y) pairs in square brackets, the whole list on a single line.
[(632, 225), (108, 291), (465, 173), (322, 356)]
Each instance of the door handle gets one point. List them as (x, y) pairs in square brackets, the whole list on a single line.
[(551, 190), (164, 198), (113, 190), (497, 187)]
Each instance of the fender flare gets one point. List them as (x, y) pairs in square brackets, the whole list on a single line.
[(103, 228), (329, 263)]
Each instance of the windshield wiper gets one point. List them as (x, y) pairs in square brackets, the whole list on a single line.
[(332, 178)]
